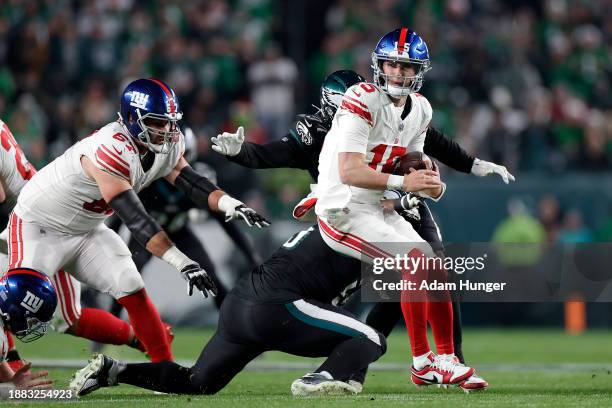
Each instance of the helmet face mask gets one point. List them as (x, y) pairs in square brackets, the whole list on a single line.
[(154, 134), (150, 114), (403, 46), (34, 330)]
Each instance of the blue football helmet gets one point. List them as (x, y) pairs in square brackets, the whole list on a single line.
[(401, 45), (333, 89), (27, 303), (150, 101)]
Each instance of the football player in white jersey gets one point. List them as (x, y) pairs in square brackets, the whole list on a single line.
[(89, 323), (58, 219), (376, 124)]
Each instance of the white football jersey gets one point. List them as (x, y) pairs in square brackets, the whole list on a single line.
[(367, 122), (15, 170), (63, 197)]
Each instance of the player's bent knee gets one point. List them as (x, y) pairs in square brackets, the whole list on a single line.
[(129, 283)]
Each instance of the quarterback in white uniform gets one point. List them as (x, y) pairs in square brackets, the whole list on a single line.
[(58, 219), (375, 125)]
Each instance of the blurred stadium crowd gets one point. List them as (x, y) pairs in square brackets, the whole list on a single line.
[(527, 84)]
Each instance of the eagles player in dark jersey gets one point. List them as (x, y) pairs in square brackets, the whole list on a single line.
[(300, 149), (284, 305)]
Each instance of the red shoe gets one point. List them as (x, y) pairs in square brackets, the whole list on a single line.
[(442, 370)]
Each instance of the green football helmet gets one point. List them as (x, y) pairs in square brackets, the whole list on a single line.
[(333, 89)]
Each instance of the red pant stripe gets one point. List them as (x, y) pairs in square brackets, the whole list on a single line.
[(357, 243), (329, 233), (20, 231), (14, 241), (69, 296), (62, 298)]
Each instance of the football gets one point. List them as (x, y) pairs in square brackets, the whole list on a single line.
[(414, 160)]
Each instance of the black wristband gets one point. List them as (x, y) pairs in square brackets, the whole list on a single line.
[(129, 208), (195, 186)]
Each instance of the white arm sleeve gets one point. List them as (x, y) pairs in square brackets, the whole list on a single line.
[(418, 143)]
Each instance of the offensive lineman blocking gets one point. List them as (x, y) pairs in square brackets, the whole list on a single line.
[(59, 215)]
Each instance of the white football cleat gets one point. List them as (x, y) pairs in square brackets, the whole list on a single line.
[(100, 371), (442, 370), (473, 383), (356, 385), (321, 384)]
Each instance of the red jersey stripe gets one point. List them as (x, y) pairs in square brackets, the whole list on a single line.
[(111, 170), (357, 101), (351, 107), (115, 155), (104, 158)]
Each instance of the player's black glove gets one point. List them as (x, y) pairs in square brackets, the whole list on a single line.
[(196, 276), (250, 216), (406, 203)]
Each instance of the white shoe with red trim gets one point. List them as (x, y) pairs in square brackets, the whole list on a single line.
[(473, 383), (442, 370)]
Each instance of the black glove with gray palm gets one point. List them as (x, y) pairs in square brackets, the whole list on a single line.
[(197, 277)]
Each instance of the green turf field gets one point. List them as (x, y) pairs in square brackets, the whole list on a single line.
[(524, 367)]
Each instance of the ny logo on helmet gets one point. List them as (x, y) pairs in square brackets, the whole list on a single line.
[(139, 100), (31, 302)]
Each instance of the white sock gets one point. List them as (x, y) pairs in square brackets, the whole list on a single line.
[(420, 362)]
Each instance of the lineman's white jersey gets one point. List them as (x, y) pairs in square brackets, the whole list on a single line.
[(15, 170), (367, 122), (63, 197)]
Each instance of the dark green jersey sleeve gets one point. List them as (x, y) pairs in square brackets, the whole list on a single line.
[(299, 149), (438, 146)]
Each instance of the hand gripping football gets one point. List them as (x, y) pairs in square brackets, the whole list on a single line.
[(415, 160)]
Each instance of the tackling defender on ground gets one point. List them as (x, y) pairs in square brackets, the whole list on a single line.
[(285, 305)]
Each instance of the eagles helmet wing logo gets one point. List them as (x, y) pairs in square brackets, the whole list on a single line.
[(304, 133), (32, 302)]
